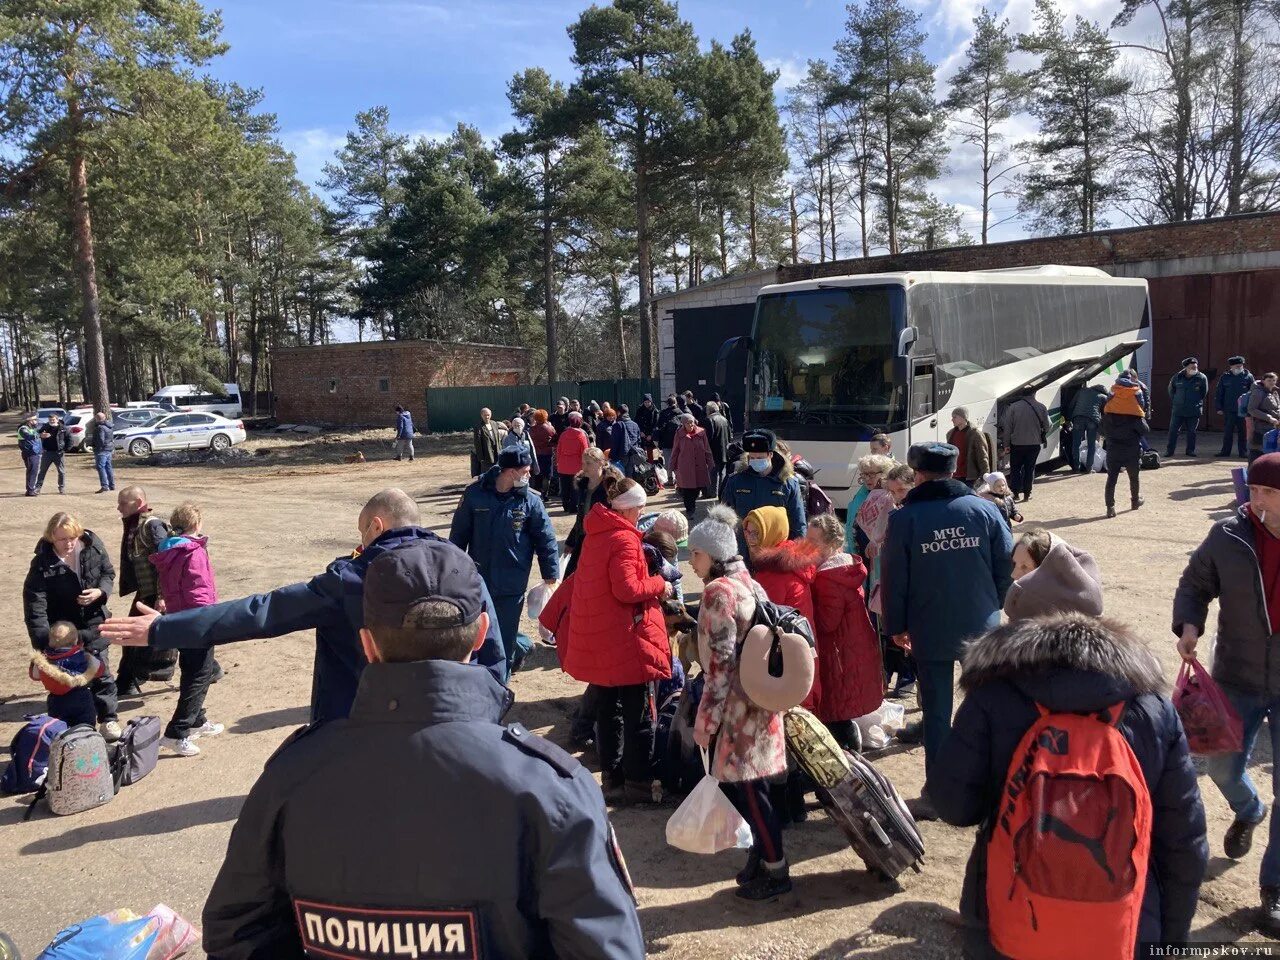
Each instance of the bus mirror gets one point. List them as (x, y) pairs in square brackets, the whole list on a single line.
[(906, 339), (722, 358)]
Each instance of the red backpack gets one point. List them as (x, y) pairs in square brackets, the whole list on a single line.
[(1067, 858)]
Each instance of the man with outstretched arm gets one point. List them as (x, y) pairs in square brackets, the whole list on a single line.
[(329, 603)]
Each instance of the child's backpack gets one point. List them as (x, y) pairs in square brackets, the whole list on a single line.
[(1067, 857), (137, 751), (79, 775), (29, 754)]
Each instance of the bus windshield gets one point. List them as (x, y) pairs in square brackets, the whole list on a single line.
[(825, 358)]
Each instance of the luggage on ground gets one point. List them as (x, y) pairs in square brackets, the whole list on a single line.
[(1067, 856), (29, 754), (79, 775), (137, 751), (1150, 460), (869, 810)]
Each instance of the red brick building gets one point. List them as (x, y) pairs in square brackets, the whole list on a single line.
[(1214, 284), (360, 384)]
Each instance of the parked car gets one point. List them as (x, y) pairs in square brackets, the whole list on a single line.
[(136, 417), (77, 430), (180, 431), (44, 413), (190, 398)]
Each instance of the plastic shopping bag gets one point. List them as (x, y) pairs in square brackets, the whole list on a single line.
[(1212, 724), (537, 599), (879, 726), (707, 822), (123, 935)]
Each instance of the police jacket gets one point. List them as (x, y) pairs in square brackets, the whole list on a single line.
[(538, 875), (332, 604), (1186, 394), (502, 532), (1231, 387), (28, 441), (745, 490), (946, 567)]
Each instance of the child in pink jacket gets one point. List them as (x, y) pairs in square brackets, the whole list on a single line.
[(186, 580)]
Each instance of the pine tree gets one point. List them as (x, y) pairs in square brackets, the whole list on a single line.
[(985, 93)]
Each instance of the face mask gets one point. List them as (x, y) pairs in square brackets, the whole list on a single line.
[(759, 466), (520, 483)]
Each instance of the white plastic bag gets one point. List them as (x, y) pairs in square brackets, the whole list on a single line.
[(879, 726), (1099, 456), (661, 474), (707, 822), (537, 599)]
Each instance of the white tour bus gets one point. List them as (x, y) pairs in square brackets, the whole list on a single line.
[(190, 398), (835, 360)]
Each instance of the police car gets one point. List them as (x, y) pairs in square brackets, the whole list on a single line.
[(180, 431)]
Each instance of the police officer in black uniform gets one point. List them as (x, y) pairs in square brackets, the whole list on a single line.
[(420, 826)]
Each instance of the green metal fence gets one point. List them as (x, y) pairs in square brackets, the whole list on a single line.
[(450, 409)]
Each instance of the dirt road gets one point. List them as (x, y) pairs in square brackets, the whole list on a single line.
[(280, 517)]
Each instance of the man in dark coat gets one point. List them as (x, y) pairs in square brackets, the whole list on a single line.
[(718, 435), (647, 419), (1187, 391), (1071, 664), (1237, 382), (1125, 436), (946, 566), (421, 826), (667, 427), (141, 536), (559, 418), (486, 441), (53, 442), (1086, 418), (725, 411), (1238, 564), (624, 442), (692, 406), (330, 603)]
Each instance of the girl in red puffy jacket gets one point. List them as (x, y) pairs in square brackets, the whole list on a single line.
[(619, 638), (850, 671)]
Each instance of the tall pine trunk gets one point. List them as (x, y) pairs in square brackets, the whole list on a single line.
[(96, 389), (548, 279)]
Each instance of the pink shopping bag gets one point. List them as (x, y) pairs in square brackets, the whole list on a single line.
[(1211, 722)]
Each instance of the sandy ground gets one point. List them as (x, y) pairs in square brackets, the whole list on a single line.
[(280, 516)]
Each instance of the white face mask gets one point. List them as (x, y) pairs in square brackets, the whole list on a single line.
[(759, 466), (520, 483)]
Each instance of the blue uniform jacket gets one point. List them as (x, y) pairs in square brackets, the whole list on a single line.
[(1186, 395), (503, 532), (625, 437), (333, 605), (404, 425), (1231, 387), (947, 564), (421, 826), (746, 490), (28, 441)]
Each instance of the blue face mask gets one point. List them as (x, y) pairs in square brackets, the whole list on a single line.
[(760, 466)]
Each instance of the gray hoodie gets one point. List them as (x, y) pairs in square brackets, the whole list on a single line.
[(1068, 581)]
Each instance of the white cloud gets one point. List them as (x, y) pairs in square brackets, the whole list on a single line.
[(791, 70), (312, 149)]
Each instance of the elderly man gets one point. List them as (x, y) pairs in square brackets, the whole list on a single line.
[(486, 442), (502, 526), (330, 603)]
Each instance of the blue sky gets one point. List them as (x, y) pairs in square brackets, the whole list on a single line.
[(436, 63)]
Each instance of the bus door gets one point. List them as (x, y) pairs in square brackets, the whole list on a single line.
[(922, 418)]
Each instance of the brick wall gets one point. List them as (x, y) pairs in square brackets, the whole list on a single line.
[(1204, 238), (342, 383)]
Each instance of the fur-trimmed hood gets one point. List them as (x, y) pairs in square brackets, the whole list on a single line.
[(791, 556), (65, 670), (1072, 663), (782, 468)]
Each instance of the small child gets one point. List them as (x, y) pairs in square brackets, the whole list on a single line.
[(186, 581), (660, 554), (66, 669), (995, 487), (672, 522), (1127, 397)]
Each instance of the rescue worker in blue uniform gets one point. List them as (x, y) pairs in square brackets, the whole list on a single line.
[(502, 524), (329, 603), (420, 826), (764, 477)]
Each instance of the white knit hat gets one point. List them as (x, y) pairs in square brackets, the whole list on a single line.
[(716, 535)]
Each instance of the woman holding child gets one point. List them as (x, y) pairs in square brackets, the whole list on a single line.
[(70, 579)]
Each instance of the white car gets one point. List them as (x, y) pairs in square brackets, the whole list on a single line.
[(181, 431)]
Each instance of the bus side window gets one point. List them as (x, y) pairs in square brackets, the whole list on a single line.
[(922, 389)]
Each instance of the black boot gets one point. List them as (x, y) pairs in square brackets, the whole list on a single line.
[(1111, 513), (1268, 916), (751, 870), (767, 886), (1137, 503), (1239, 839)]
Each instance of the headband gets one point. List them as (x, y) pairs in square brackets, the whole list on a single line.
[(635, 497)]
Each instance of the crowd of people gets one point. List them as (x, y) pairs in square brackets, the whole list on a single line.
[(417, 637)]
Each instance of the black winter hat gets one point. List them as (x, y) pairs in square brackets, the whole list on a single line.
[(933, 457), (1231, 361), (759, 441), (1189, 361)]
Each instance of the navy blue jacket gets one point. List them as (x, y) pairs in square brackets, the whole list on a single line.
[(332, 604), (104, 436), (946, 564), (421, 825), (1186, 394), (1003, 682), (745, 490), (1231, 387), (503, 532), (404, 425), (625, 438)]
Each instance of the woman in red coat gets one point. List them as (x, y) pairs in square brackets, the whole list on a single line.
[(620, 642), (691, 461), (850, 670), (573, 443)]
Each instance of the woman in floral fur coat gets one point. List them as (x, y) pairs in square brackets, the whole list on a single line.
[(749, 746)]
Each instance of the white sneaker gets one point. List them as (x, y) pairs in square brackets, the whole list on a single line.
[(186, 747), (209, 729), (110, 730)]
